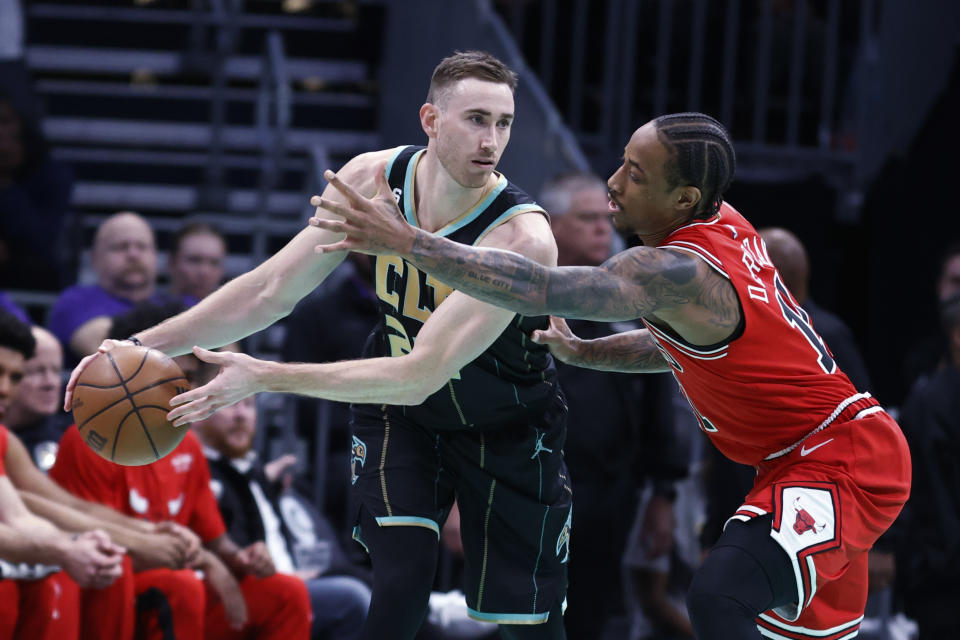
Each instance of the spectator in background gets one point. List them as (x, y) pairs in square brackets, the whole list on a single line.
[(196, 261), (35, 413), (46, 606), (790, 258), (240, 590), (107, 613), (619, 429), (931, 352), (249, 500), (125, 263), (928, 555), (34, 205)]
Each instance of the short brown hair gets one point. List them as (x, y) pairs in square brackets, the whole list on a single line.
[(469, 64)]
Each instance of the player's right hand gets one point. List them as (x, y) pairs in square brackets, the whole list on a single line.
[(105, 346), (161, 550), (92, 560)]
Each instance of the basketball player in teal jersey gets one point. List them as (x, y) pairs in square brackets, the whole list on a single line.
[(455, 401)]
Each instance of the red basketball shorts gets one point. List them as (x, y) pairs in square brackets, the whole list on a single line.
[(831, 499)]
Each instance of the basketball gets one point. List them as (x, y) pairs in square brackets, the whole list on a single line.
[(121, 401)]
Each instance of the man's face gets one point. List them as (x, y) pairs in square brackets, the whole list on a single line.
[(11, 374), (949, 283), (230, 430), (641, 198), (125, 257), (473, 129), (197, 268), (584, 233), (39, 394)]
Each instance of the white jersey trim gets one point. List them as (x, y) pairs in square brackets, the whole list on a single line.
[(700, 252), (826, 423), (687, 350), (814, 633)]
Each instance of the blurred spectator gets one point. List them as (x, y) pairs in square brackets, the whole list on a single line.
[(196, 261), (931, 352), (657, 583), (35, 413), (346, 307), (240, 590), (34, 205), (619, 430), (37, 600), (790, 258), (125, 263), (928, 557), (249, 500)]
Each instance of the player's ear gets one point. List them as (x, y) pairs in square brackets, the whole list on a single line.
[(429, 117), (688, 198)]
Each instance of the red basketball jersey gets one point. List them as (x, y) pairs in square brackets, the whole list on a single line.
[(775, 381), (175, 487)]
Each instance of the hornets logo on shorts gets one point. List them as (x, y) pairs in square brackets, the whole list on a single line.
[(563, 541), (359, 455)]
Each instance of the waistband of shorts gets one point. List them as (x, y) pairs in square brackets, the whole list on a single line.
[(853, 408)]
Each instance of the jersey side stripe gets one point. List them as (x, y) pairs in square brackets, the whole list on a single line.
[(713, 354), (408, 205)]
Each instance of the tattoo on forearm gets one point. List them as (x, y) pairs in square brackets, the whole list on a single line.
[(630, 285), (630, 352)]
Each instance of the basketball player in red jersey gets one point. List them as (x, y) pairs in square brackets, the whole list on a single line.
[(833, 469)]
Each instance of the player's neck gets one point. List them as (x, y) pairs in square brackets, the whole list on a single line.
[(439, 199)]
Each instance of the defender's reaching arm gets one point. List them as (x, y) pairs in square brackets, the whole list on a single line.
[(642, 281)]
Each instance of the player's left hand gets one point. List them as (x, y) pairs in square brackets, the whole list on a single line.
[(255, 559), (371, 225), (190, 540), (237, 380)]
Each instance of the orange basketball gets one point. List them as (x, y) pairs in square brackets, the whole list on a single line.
[(121, 401)]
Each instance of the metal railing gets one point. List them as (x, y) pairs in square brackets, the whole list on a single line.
[(773, 72)]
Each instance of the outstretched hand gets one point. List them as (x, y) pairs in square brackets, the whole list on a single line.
[(561, 341), (237, 380), (371, 225)]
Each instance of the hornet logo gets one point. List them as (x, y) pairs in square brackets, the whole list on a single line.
[(359, 454), (563, 542), (805, 522)]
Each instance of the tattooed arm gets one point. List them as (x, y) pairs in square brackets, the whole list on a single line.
[(634, 283), (642, 281), (626, 352)]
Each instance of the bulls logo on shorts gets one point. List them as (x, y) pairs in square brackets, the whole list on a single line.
[(805, 522), (359, 455)]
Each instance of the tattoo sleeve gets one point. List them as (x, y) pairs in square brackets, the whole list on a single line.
[(632, 284), (627, 352)]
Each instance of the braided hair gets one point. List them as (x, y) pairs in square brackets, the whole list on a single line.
[(701, 155)]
